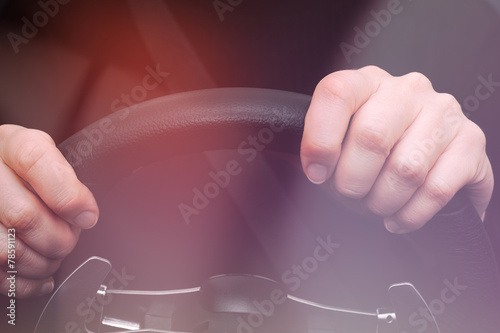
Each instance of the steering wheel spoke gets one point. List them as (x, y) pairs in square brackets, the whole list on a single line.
[(232, 295)]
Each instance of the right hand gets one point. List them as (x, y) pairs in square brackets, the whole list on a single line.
[(394, 146), (42, 200)]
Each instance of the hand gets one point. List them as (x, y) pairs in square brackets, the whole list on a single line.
[(41, 200), (395, 145)]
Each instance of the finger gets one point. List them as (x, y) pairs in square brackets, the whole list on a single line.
[(34, 223), (335, 100), (375, 129), (480, 189), (415, 154), (23, 287), (34, 157), (28, 263), (461, 164)]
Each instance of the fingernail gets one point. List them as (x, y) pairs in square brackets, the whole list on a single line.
[(47, 288), (316, 173), (392, 226), (86, 219)]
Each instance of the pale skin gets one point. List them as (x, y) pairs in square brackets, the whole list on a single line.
[(404, 154)]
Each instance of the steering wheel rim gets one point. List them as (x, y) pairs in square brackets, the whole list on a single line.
[(195, 119), (220, 119)]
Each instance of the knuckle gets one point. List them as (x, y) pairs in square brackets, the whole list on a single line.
[(375, 208), (21, 215), (7, 129), (335, 86), (378, 207), (25, 288), (4, 283), (417, 81), (373, 138), (375, 70), (449, 102), (24, 257), (20, 254), (406, 173), (439, 192), (476, 135), (62, 247), (351, 191), (67, 199), (321, 150), (40, 135), (26, 149), (34, 266), (30, 263)]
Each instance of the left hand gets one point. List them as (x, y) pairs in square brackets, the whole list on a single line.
[(395, 145)]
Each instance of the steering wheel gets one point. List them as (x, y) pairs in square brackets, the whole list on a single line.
[(143, 165)]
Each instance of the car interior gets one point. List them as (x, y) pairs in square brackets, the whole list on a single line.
[(184, 118)]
